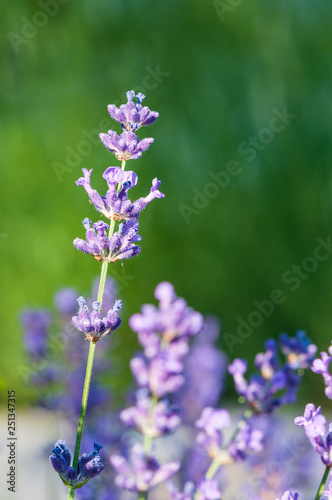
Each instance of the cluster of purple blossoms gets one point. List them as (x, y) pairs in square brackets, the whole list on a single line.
[(94, 325), (121, 245), (277, 383), (115, 204), (314, 423), (210, 437), (321, 366), (101, 241), (164, 334), (131, 116), (88, 466)]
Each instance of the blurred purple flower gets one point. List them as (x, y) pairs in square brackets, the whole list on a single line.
[(314, 424), (172, 322), (35, 324), (66, 301), (321, 366), (204, 372), (276, 384), (145, 472), (298, 350), (289, 496), (164, 418)]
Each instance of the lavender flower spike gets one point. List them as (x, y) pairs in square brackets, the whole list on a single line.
[(88, 466), (94, 325), (126, 146), (133, 115)]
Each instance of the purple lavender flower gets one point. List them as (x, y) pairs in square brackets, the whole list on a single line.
[(35, 324), (298, 350), (116, 205), (314, 424), (172, 322), (163, 375), (145, 473), (164, 419), (289, 496), (88, 466), (276, 384), (206, 490), (65, 301), (211, 424), (247, 439), (119, 246), (328, 493), (126, 146), (321, 366), (94, 325), (187, 494), (204, 372), (133, 115)]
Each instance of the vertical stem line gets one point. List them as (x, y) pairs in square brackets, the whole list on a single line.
[(71, 493), (86, 388), (88, 373), (322, 484)]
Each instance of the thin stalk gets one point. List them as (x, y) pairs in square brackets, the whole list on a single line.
[(143, 495), (71, 493), (322, 483), (88, 373), (147, 438)]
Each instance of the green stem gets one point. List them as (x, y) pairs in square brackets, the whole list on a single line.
[(143, 495), (71, 493), (322, 483), (84, 404), (88, 373), (147, 438)]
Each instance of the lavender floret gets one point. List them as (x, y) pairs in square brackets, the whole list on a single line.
[(126, 146), (94, 325), (120, 246), (133, 115), (115, 204), (314, 424), (88, 466)]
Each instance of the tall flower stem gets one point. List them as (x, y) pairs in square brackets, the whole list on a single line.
[(322, 483), (88, 373), (143, 495)]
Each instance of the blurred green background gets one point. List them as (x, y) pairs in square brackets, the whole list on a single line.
[(217, 73)]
